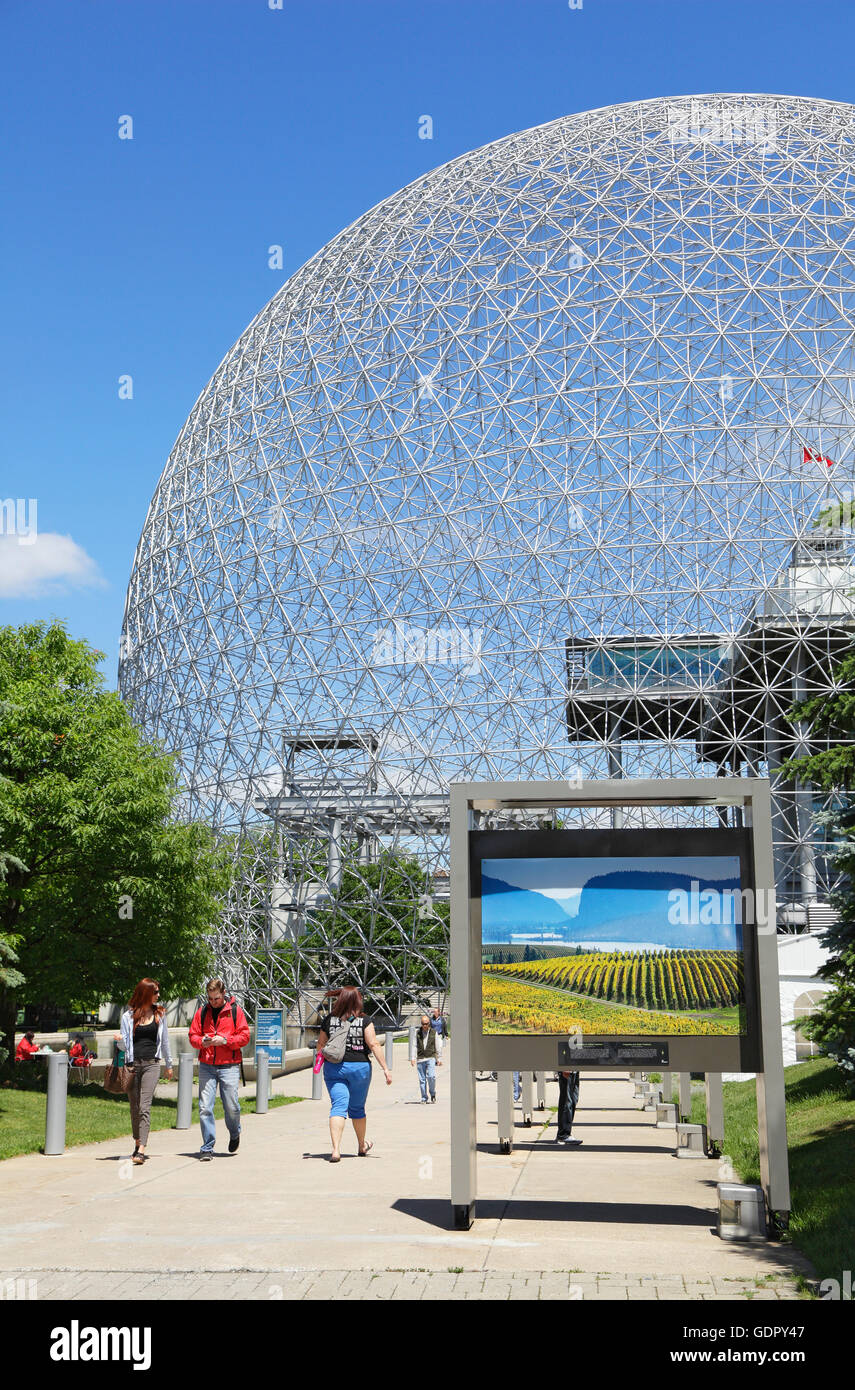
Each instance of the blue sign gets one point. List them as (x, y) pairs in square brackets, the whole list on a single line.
[(270, 1035)]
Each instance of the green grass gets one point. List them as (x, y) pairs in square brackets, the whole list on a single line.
[(821, 1134), (92, 1114)]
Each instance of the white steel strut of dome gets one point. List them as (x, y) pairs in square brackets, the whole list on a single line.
[(530, 473)]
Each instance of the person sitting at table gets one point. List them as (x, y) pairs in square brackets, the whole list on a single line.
[(26, 1047), (79, 1054)]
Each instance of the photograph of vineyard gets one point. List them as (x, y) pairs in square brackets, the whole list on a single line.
[(630, 946)]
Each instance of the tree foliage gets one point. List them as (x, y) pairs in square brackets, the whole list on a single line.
[(103, 882), (832, 1027), (384, 930)]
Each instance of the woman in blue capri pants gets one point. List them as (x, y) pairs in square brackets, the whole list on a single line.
[(348, 1080)]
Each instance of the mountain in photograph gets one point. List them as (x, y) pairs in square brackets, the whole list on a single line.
[(626, 905)]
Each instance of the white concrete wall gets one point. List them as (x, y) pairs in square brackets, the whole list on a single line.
[(799, 958)]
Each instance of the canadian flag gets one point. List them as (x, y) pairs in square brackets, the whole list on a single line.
[(814, 456)]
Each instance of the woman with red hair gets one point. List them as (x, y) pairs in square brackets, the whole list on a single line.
[(145, 1038), (348, 1080)]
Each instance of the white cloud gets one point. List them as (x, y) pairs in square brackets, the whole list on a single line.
[(49, 564)]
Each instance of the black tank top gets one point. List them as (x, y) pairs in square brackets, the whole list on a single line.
[(145, 1041)]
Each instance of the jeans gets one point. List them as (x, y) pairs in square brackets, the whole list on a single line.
[(568, 1099), (427, 1076), (517, 1086), (347, 1083), (228, 1080)]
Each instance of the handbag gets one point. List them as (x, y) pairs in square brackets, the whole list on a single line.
[(118, 1080), (336, 1045)]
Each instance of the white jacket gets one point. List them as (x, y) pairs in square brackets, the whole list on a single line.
[(162, 1053)]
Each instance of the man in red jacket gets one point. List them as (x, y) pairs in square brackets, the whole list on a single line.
[(219, 1030)]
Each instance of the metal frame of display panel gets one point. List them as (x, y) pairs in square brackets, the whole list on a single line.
[(473, 1050)]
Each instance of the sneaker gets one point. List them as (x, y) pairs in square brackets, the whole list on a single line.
[(572, 1143), (205, 1155), (433, 1100), (233, 1143)]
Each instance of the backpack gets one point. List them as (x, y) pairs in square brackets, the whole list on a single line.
[(336, 1045)]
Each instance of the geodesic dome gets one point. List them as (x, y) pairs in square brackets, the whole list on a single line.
[(518, 477)]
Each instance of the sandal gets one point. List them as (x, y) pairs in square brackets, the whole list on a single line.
[(138, 1158), (335, 1158), (366, 1150)]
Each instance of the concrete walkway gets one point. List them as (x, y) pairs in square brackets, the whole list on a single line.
[(618, 1218)]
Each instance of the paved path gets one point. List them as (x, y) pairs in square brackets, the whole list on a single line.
[(618, 1218)]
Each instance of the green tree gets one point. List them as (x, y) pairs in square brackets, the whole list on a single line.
[(832, 719), (366, 935), (104, 883), (10, 977)]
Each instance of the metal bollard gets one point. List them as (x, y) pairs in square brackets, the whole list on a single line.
[(262, 1082), (57, 1094), (390, 1048), (685, 1095), (715, 1110), (184, 1118), (505, 1103), (412, 1057), (318, 1084), (541, 1090), (527, 1088)]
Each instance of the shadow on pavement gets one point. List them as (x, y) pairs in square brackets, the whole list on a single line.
[(438, 1213)]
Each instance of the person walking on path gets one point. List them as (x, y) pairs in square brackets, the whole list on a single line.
[(219, 1030), (145, 1039), (438, 1022), (428, 1057), (568, 1099), (348, 1080)]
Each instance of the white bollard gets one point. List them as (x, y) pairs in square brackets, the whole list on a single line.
[(57, 1094), (262, 1082), (505, 1108), (184, 1117)]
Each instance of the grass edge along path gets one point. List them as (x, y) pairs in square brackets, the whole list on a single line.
[(92, 1114), (821, 1141)]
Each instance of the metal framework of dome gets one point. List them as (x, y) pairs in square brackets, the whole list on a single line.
[(532, 473)]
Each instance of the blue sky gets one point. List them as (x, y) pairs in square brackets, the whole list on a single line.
[(256, 127)]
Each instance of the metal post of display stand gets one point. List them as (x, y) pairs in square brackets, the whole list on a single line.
[(527, 1086), (505, 1109), (715, 1111), (685, 1096)]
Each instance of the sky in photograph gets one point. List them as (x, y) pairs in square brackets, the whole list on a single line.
[(614, 903), (256, 127), (563, 879)]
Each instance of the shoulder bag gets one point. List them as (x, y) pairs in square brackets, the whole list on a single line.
[(118, 1080)]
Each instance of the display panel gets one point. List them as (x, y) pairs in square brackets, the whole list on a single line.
[(626, 933)]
